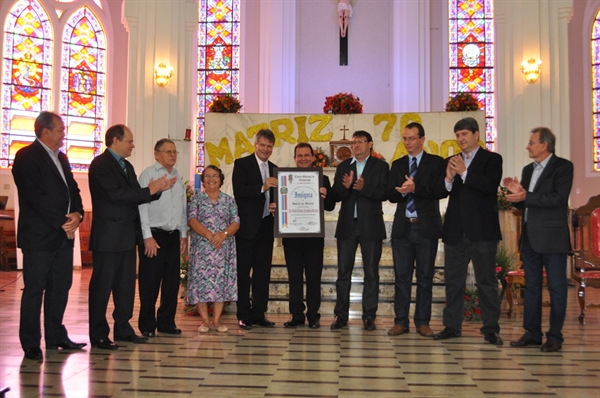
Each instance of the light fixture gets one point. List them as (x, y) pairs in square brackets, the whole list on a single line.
[(531, 70), (162, 74)]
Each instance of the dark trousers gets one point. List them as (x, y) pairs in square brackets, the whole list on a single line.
[(47, 275), (457, 257), (304, 256), (556, 271), (113, 272), (411, 247), (254, 255), (164, 267), (371, 254)]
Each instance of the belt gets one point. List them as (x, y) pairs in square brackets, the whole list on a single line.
[(162, 231), (411, 220)]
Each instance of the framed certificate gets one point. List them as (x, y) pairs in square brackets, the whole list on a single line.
[(299, 210)]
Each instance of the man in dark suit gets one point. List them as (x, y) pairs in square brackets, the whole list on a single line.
[(416, 184), (50, 213), (544, 195), (360, 183), (306, 254), (252, 182), (116, 231), (471, 231)]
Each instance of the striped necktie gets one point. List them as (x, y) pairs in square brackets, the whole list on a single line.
[(410, 198)]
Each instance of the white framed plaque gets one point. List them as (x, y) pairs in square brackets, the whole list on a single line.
[(299, 211)]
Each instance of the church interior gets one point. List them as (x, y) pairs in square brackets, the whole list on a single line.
[(156, 65)]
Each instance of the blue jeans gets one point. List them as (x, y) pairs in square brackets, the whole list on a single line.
[(556, 271)]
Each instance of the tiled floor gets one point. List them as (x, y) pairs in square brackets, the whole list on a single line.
[(299, 362)]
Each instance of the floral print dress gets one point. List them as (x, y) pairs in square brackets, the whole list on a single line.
[(212, 273)]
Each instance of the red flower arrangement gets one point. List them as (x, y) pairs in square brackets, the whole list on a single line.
[(225, 104), (321, 158), (462, 102), (342, 103), (472, 311)]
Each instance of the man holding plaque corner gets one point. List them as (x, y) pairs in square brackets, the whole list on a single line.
[(360, 183), (306, 254)]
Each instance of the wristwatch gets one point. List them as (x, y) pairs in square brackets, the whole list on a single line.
[(226, 234)]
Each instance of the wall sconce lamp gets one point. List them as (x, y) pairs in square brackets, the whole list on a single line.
[(162, 74), (531, 70)]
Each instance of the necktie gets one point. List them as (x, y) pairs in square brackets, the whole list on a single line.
[(263, 172), (410, 201), (122, 163)]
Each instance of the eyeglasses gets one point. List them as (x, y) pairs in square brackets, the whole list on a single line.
[(359, 142), (174, 153), (212, 176), (530, 143), (409, 139)]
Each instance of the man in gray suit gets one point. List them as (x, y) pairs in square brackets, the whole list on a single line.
[(544, 195), (360, 183)]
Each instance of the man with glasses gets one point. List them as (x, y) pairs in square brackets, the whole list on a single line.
[(164, 229), (416, 184), (360, 183)]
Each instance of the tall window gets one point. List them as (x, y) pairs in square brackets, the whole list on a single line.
[(218, 59), (26, 83), (82, 87), (596, 90), (471, 55)]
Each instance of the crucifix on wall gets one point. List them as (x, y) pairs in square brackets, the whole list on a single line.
[(344, 14)]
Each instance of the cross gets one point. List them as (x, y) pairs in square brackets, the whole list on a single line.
[(344, 129)]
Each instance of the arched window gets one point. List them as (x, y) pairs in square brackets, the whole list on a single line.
[(471, 53), (218, 59), (26, 87), (596, 90), (82, 85)]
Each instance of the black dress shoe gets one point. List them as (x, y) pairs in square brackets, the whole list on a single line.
[(447, 333), (105, 344), (314, 324), (34, 353), (493, 338), (245, 325), (551, 346), (293, 322), (134, 338), (148, 334), (369, 324), (338, 323), (264, 322), (66, 345), (524, 341), (170, 331)]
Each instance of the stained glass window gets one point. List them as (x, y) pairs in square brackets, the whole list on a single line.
[(27, 75), (471, 52), (218, 58), (596, 90), (82, 85)]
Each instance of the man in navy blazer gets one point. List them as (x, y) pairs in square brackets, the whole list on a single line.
[(116, 230), (50, 213), (360, 183), (252, 188), (544, 195), (471, 231), (416, 229)]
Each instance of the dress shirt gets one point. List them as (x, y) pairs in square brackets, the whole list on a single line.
[(54, 157), (410, 159), (260, 162), (360, 167), (537, 172), (169, 212), (467, 161)]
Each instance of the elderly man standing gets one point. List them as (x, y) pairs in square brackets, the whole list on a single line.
[(50, 213), (116, 230), (360, 183), (164, 229), (543, 193)]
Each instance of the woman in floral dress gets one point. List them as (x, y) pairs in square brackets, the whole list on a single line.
[(213, 218)]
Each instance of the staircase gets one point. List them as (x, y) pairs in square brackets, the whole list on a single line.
[(278, 291)]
